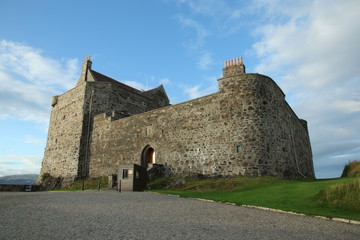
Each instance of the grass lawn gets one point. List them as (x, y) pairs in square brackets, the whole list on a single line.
[(288, 195)]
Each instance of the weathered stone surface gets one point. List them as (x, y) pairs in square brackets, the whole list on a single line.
[(69, 132), (246, 128), (158, 171)]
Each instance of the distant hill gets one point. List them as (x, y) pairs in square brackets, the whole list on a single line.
[(19, 179)]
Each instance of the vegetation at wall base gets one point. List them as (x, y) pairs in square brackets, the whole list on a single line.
[(88, 184), (352, 169), (82, 184), (301, 196), (48, 182)]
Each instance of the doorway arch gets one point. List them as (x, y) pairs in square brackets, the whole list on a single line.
[(147, 156)]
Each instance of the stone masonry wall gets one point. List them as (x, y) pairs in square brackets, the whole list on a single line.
[(254, 101), (104, 97), (71, 118), (64, 135), (242, 129), (246, 128)]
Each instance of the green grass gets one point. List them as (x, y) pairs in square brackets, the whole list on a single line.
[(288, 195), (342, 195), (352, 169)]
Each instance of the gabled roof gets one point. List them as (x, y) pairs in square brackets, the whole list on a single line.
[(98, 77), (153, 91)]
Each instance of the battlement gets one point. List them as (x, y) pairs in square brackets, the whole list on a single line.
[(233, 67)]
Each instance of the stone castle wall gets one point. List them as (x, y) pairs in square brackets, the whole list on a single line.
[(64, 135), (69, 131), (107, 97), (255, 101), (246, 128), (241, 130)]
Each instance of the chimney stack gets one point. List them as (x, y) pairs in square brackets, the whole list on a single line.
[(233, 67)]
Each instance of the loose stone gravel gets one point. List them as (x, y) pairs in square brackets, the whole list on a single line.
[(141, 215)]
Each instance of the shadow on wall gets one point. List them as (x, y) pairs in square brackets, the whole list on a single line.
[(158, 171)]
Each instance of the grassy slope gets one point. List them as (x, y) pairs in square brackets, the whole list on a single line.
[(296, 196), (342, 195), (352, 169)]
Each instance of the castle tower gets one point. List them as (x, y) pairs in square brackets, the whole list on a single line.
[(62, 152), (271, 139), (70, 129)]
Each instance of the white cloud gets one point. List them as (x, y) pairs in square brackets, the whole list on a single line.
[(136, 85), (33, 140), (205, 7), (22, 100), (311, 50), (144, 87), (199, 91), (18, 164), (224, 17), (193, 92), (32, 65), (349, 106), (200, 32), (28, 79), (205, 61), (164, 81)]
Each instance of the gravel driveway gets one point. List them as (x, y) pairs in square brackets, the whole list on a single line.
[(141, 215)]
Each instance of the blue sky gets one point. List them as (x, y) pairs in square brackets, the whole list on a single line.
[(309, 47)]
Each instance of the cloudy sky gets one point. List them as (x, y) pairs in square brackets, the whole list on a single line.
[(309, 47)]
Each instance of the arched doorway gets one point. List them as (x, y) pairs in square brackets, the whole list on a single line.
[(147, 156)]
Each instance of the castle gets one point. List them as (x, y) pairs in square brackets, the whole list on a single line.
[(246, 128)]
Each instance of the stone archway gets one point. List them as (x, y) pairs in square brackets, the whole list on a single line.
[(147, 156)]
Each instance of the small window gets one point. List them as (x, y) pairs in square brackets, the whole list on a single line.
[(238, 149), (125, 173)]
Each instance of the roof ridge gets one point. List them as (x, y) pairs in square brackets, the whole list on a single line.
[(109, 79), (103, 78)]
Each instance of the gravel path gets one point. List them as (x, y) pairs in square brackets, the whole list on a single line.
[(141, 215)]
